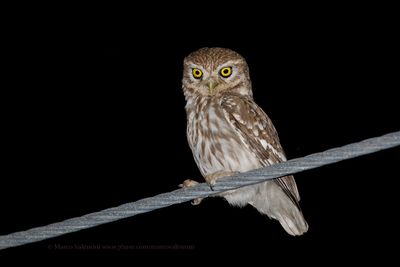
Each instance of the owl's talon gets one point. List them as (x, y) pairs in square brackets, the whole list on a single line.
[(196, 201), (190, 183), (212, 178), (212, 184)]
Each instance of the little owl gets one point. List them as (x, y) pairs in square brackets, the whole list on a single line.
[(229, 133)]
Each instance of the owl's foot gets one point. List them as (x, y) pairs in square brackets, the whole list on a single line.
[(190, 183), (211, 179)]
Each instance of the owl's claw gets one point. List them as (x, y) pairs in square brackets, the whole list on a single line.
[(190, 183), (211, 184), (212, 178), (196, 201)]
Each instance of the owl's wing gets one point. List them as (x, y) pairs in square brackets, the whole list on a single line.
[(259, 134)]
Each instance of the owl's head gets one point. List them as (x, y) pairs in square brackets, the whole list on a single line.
[(210, 71)]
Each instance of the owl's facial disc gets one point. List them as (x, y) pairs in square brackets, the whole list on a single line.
[(209, 79)]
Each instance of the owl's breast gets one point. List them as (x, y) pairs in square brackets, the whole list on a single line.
[(215, 143)]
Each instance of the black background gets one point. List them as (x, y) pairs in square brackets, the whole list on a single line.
[(93, 117)]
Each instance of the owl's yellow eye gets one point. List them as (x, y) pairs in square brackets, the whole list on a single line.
[(226, 72), (197, 73)]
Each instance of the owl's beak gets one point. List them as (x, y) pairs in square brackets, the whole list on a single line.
[(211, 84)]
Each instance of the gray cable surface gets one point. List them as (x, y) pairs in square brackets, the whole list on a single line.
[(202, 190)]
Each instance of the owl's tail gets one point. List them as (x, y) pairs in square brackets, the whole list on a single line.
[(274, 202)]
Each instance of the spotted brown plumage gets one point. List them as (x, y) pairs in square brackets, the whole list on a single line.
[(228, 132)]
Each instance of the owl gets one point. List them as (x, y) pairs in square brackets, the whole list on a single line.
[(229, 133)]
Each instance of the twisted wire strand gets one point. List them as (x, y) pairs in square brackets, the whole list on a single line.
[(201, 190)]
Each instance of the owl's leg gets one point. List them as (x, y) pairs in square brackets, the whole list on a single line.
[(211, 179), (190, 183)]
